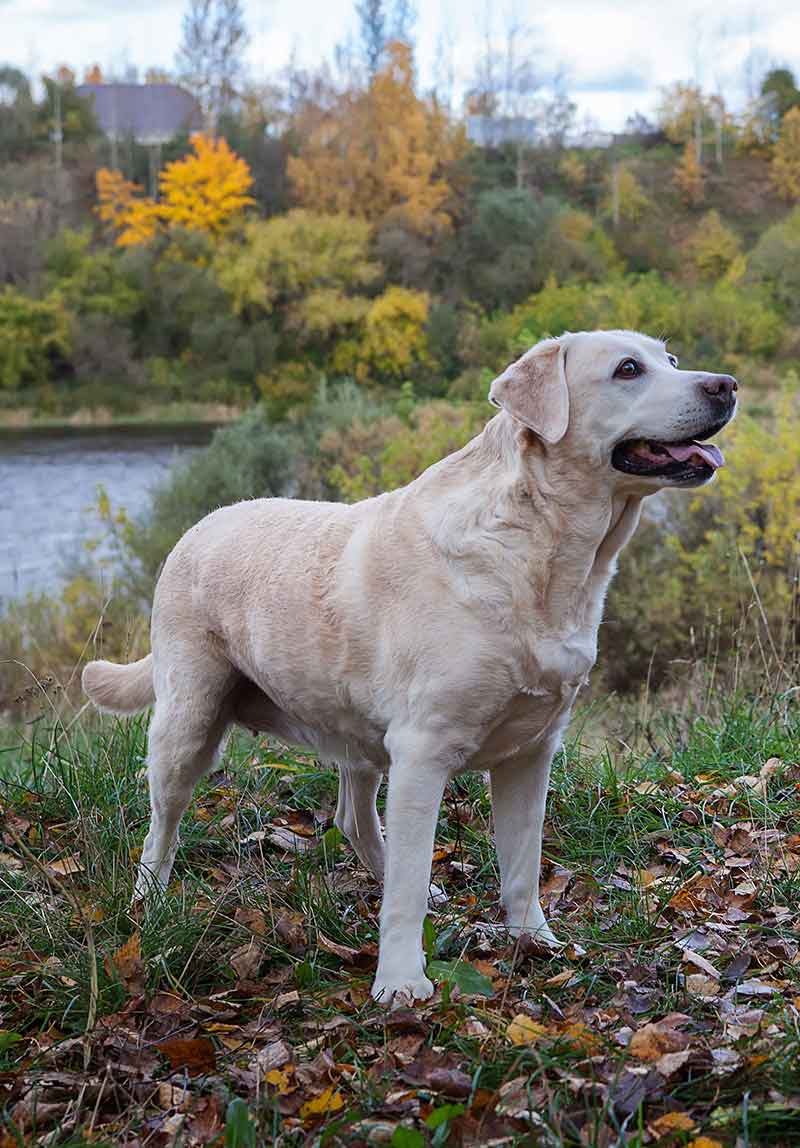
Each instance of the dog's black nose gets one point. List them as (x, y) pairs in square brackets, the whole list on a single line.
[(720, 386)]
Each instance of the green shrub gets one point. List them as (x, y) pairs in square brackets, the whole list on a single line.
[(34, 340)]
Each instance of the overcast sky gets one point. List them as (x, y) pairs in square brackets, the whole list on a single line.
[(614, 55)]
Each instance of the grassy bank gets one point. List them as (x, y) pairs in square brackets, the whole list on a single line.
[(238, 1006), (160, 415)]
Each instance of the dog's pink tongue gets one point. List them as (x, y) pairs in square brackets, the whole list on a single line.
[(706, 451)]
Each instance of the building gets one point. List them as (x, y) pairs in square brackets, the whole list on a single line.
[(150, 114)]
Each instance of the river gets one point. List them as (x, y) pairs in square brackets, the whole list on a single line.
[(49, 483)]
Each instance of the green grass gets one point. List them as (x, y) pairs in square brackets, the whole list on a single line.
[(688, 845)]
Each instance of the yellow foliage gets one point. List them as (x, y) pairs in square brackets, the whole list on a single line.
[(120, 205), (626, 192), (394, 338), (204, 192), (689, 178), (282, 259), (573, 169), (760, 488), (713, 247), (378, 153), (785, 167), (207, 190)]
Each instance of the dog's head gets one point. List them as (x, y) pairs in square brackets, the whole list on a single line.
[(617, 400)]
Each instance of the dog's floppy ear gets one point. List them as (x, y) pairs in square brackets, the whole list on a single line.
[(534, 390)]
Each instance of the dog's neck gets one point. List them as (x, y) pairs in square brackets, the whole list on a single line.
[(558, 530)]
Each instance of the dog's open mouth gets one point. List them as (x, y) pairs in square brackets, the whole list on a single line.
[(687, 461)]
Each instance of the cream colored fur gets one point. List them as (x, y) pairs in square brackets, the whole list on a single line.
[(443, 627)]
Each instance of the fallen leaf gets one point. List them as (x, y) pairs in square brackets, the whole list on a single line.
[(275, 1055), (246, 959), (700, 985), (195, 1055), (281, 1079), (756, 988), (672, 1122), (523, 1030), (671, 1062), (252, 919), (704, 1142), (290, 927), (64, 866), (343, 952), (331, 1100), (652, 1040), (129, 965)]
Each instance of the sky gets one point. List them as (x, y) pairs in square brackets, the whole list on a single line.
[(613, 57)]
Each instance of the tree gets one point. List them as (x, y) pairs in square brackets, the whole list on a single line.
[(93, 75), (625, 200), (377, 28), (278, 263), (780, 93), (16, 113), (689, 177), (210, 58), (204, 192), (372, 29), (713, 247), (378, 154), (785, 167)]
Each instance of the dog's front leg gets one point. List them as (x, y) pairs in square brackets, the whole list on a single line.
[(417, 779), (519, 795)]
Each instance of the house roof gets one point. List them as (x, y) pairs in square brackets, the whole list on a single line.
[(151, 113)]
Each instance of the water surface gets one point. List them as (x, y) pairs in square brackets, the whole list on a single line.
[(49, 483)]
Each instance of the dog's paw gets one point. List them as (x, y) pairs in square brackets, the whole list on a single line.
[(539, 935), (399, 992)]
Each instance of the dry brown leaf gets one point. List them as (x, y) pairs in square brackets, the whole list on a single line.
[(699, 985), (65, 866), (671, 1062), (561, 978), (652, 1040), (246, 959), (129, 965), (705, 1142), (252, 919), (343, 952), (290, 927), (196, 1055)]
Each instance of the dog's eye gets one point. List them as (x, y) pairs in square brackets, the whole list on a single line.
[(628, 369), (673, 360)]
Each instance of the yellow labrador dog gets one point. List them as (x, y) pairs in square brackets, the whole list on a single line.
[(442, 627)]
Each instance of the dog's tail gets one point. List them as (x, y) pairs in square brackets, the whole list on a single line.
[(120, 689)]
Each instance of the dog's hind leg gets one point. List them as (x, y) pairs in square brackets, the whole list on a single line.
[(357, 816), (191, 716)]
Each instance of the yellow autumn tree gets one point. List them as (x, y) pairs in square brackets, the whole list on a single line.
[(713, 248), (378, 153), (133, 217), (205, 191), (785, 167), (689, 177)]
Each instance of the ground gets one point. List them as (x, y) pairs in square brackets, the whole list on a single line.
[(236, 1009)]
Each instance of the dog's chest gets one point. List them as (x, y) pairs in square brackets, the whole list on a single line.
[(554, 671)]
